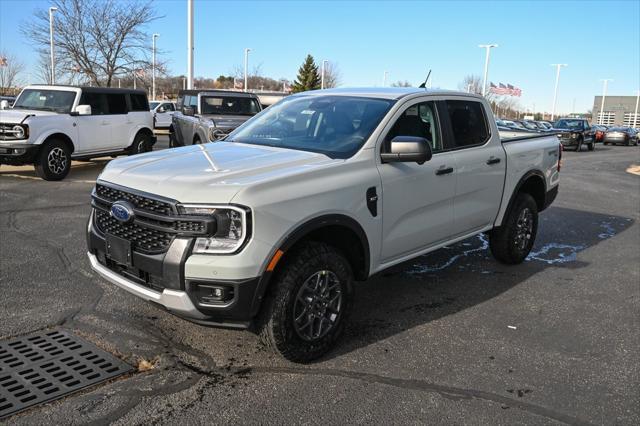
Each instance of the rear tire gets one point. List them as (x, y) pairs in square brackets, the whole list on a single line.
[(196, 140), (512, 242), (141, 144), (592, 146), (310, 299), (53, 162)]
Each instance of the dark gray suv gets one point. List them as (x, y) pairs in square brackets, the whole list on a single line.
[(209, 115)]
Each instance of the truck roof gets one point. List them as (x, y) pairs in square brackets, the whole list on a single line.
[(387, 92), (220, 92), (91, 88)]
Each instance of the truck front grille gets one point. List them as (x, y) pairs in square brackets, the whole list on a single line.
[(142, 239), (140, 202)]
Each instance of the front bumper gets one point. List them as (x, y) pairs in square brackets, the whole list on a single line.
[(160, 279), (18, 153)]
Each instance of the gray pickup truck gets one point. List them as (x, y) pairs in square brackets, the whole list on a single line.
[(209, 115)]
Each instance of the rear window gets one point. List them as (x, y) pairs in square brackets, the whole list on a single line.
[(139, 102), (468, 123), (97, 101), (117, 103)]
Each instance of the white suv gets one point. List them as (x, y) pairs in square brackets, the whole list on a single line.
[(49, 126)]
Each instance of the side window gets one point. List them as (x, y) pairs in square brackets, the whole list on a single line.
[(97, 101), (468, 123), (179, 102), (139, 102), (117, 103), (168, 107), (417, 120)]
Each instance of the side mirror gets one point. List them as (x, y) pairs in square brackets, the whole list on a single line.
[(4, 104), (82, 110), (189, 111), (408, 149)]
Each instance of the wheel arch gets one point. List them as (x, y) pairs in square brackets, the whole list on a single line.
[(532, 183), (62, 137), (337, 230)]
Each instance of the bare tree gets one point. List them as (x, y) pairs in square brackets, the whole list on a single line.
[(400, 83), (100, 39), (10, 67), (472, 84), (332, 75)]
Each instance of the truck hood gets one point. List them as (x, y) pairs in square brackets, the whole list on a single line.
[(208, 173), (227, 121), (17, 115)]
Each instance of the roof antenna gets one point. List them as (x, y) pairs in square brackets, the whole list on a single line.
[(424, 85)]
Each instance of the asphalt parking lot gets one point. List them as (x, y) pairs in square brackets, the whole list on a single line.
[(452, 337)]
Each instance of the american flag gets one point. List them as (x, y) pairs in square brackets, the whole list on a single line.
[(140, 73), (3, 61), (502, 89)]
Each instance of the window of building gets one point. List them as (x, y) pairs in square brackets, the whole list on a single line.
[(606, 118), (629, 119)]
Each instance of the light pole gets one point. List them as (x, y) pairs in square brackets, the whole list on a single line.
[(324, 62), (384, 78), (635, 115), (605, 83), (189, 44), (53, 61), (486, 65), (246, 65), (555, 91), (153, 67)]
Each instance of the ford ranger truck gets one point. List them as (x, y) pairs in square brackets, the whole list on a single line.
[(49, 126), (270, 228)]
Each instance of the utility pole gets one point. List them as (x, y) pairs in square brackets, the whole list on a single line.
[(605, 83), (384, 78), (555, 91), (53, 61), (153, 68), (189, 44), (486, 65), (246, 66)]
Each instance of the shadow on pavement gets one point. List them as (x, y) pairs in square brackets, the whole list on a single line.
[(465, 274)]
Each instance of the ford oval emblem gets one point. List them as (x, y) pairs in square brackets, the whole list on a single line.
[(122, 211)]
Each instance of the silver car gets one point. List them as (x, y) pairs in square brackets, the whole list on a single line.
[(621, 135), (209, 115)]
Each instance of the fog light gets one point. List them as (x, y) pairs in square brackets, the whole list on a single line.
[(213, 294), (19, 151)]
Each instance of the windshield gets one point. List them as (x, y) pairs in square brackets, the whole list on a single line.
[(153, 105), (529, 126), (229, 105), (45, 100), (336, 126), (569, 124)]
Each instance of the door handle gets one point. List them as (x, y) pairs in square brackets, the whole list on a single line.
[(493, 160), (105, 123), (444, 171)]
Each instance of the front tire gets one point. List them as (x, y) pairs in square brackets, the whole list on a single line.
[(512, 242), (197, 140), (53, 162), (592, 146), (309, 302), (579, 145)]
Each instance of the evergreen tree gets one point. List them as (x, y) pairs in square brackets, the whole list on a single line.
[(308, 76)]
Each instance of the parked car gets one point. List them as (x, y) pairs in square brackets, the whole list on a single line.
[(575, 132), (162, 113), (621, 135), (545, 124), (269, 229), (599, 132), (209, 115), (529, 125), (8, 99), (49, 126)]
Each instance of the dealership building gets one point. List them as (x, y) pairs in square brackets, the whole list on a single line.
[(617, 111)]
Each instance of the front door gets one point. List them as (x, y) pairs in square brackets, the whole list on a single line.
[(417, 199), (94, 131)]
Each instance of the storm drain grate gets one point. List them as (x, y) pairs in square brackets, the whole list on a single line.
[(49, 365)]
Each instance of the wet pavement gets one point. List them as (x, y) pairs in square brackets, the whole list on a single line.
[(449, 337)]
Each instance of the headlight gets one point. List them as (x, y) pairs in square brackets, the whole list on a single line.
[(231, 228), (574, 135), (216, 134), (19, 131)]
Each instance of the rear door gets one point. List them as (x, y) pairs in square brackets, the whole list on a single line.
[(417, 199), (94, 131), (118, 111), (481, 165)]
